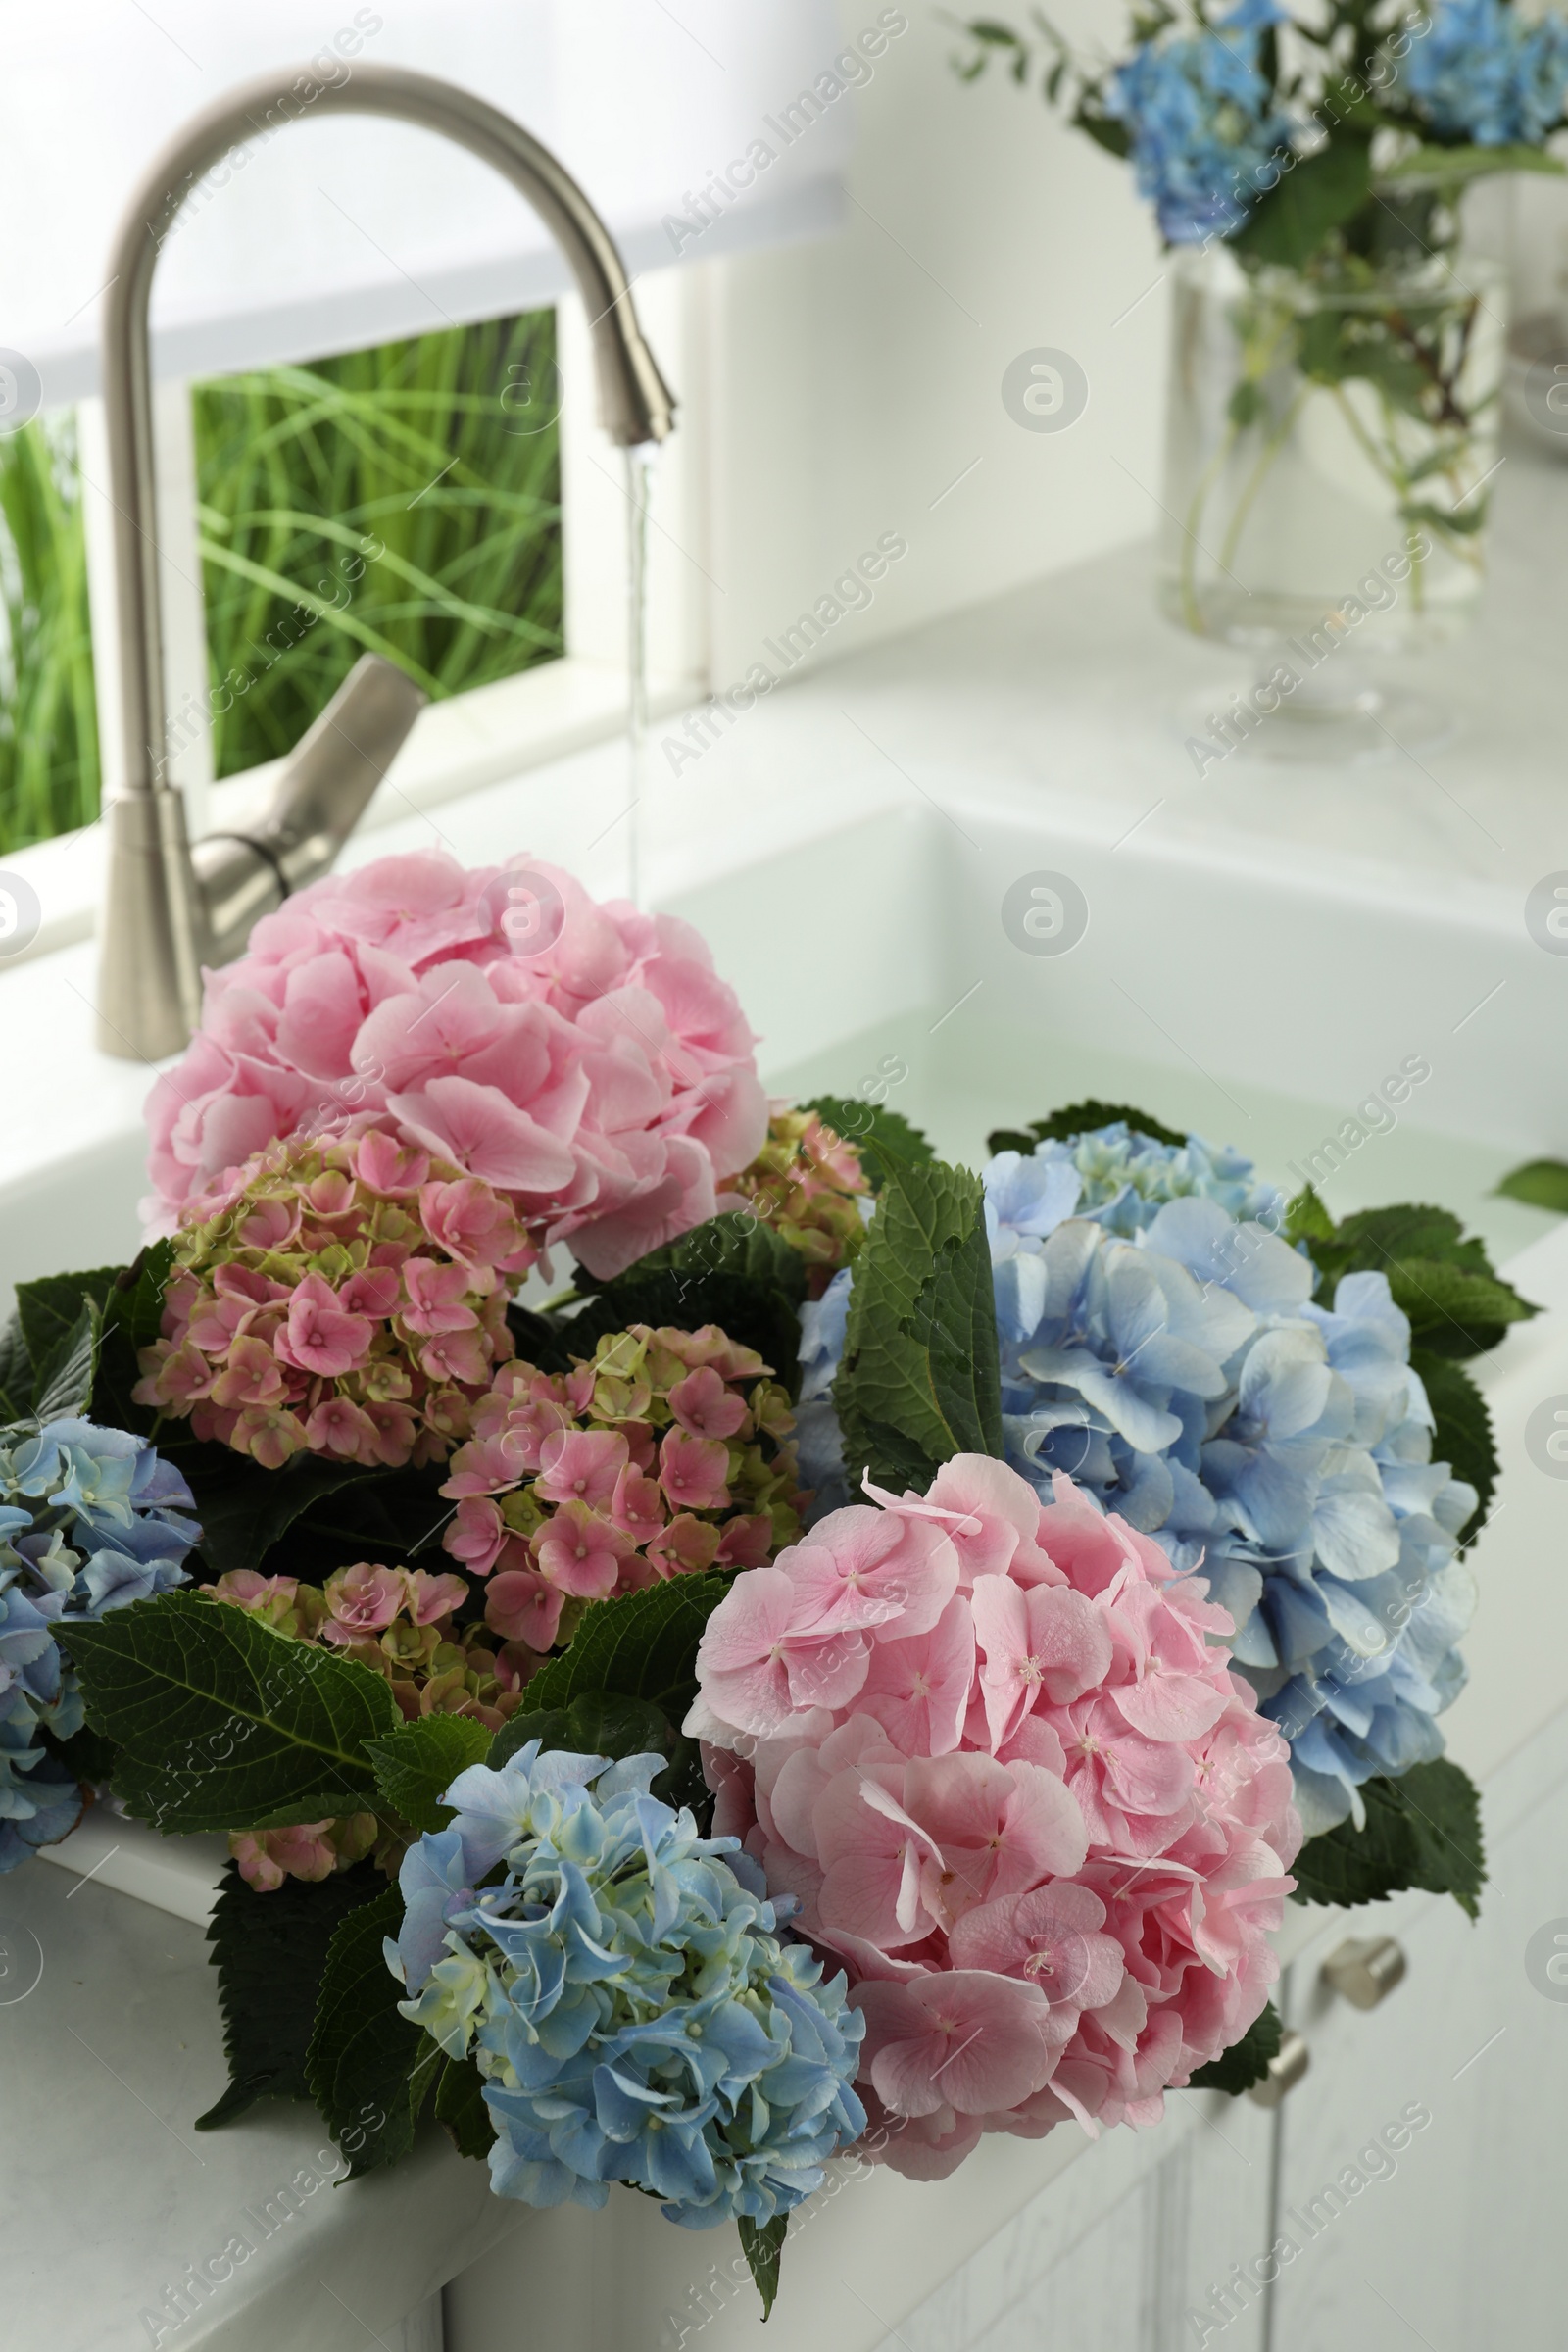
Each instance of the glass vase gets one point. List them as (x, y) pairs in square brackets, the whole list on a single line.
[(1330, 441)]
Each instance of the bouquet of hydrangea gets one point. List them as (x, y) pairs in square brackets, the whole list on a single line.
[(1307, 167), (660, 1842), (1344, 112)]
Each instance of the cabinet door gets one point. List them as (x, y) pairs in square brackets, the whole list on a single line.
[(1421, 2159), (1117, 2255)]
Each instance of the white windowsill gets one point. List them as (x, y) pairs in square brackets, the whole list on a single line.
[(457, 747)]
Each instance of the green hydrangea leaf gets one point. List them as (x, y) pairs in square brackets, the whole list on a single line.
[(1081, 1118), (920, 1380), (1463, 1437), (416, 1763), (65, 1378), (1452, 1311), (49, 1351), (370, 2070), (885, 1137), (1306, 1220), (270, 1951), (133, 1311), (245, 1509), (1542, 1183), (734, 1270), (607, 1723), (637, 1645), (1438, 1275), (1297, 217), (1422, 1830), (733, 1244), (460, 2110), (595, 1723), (1247, 2061), (222, 1723), (762, 2244)]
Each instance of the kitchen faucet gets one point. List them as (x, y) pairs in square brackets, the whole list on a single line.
[(171, 909)]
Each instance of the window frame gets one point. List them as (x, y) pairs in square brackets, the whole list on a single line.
[(471, 740)]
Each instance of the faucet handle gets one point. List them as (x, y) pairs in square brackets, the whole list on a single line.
[(323, 790)]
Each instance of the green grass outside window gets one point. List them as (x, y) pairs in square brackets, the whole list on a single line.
[(405, 500)]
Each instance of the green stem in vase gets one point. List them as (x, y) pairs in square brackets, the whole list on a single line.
[(1273, 444)]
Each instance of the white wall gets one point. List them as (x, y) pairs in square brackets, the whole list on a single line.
[(855, 379)]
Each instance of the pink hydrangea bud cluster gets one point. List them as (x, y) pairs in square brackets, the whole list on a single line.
[(808, 1184), (343, 1294), (584, 1059), (997, 1750), (666, 1453), (398, 1622)]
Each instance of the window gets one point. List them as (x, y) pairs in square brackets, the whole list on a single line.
[(404, 499), (48, 716)]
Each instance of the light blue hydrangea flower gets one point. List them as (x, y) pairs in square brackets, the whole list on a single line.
[(1483, 71), (1203, 124), (90, 1519), (1160, 1343), (633, 2010)]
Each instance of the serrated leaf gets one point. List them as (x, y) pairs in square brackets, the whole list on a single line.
[(244, 1510), (607, 1722), (370, 2070), (639, 1644), (595, 1723), (418, 1762), (1422, 1830), (50, 1308), (225, 1723), (460, 2110), (734, 1270), (1371, 1236), (732, 1244), (868, 1125), (133, 1315), (1081, 1118), (1439, 1276), (50, 1348), (1296, 218), (1306, 1220), (1456, 1313), (1542, 1183), (921, 1379), (270, 1951), (1247, 2061), (65, 1378), (1463, 1436), (16, 1373), (762, 2244)]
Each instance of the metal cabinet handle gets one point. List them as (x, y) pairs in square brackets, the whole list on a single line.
[(1285, 2067), (1365, 1972)]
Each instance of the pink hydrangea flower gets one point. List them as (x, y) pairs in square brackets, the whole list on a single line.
[(312, 1309), (996, 1751), (603, 1083), (575, 1487)]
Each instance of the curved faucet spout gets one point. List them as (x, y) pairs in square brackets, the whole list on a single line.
[(166, 913)]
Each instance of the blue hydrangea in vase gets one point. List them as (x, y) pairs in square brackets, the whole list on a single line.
[(1336, 360)]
